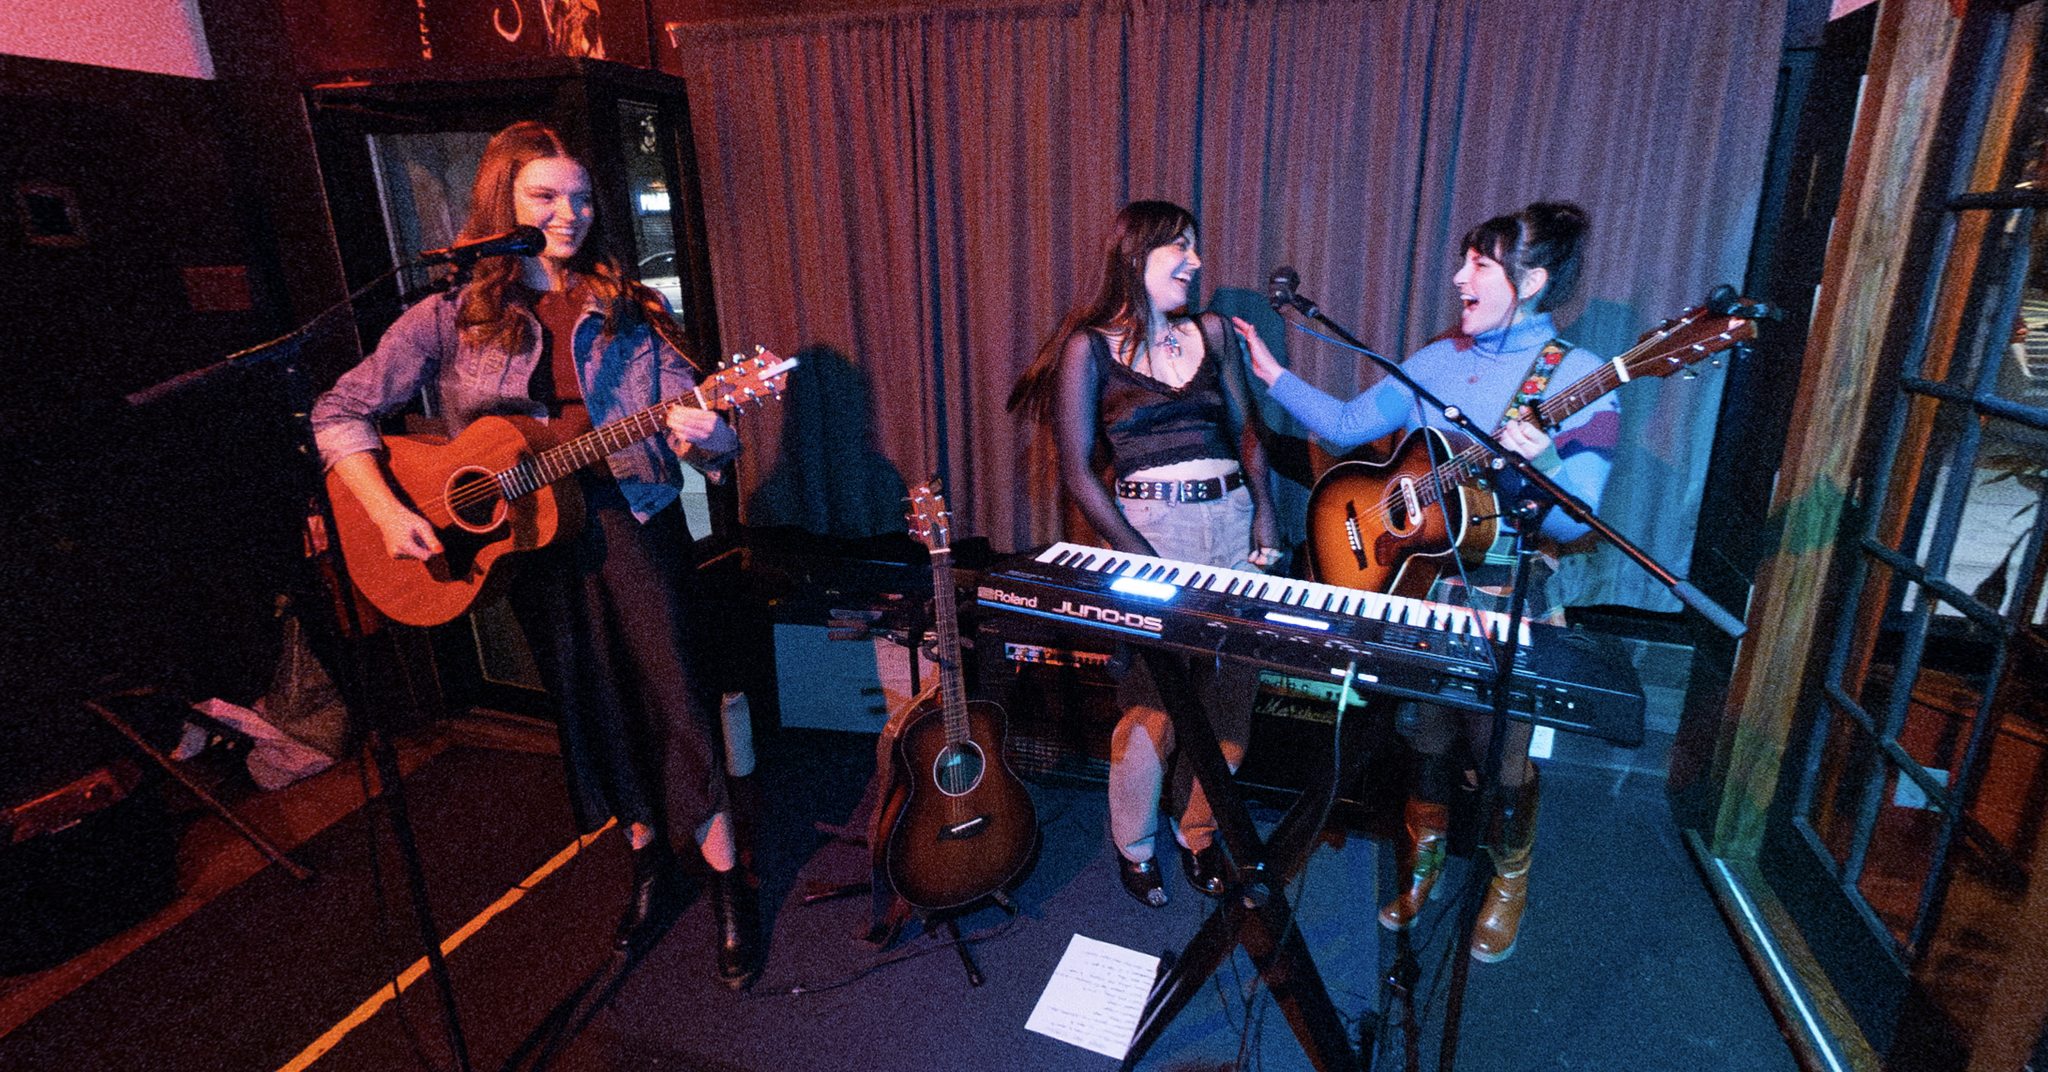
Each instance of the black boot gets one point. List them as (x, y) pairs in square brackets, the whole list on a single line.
[(1207, 868), (643, 898), (736, 913)]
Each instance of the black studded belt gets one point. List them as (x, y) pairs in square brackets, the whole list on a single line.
[(1208, 490)]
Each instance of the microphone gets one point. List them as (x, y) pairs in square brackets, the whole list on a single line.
[(1280, 287), (524, 240), (1280, 291)]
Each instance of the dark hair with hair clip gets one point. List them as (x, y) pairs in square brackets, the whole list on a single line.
[(1550, 235)]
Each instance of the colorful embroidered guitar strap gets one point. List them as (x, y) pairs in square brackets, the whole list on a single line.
[(1522, 406), (1533, 385)]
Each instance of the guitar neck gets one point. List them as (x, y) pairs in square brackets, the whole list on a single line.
[(1590, 388), (946, 622), (556, 462), (1653, 355)]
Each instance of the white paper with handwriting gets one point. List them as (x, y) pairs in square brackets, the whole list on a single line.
[(1095, 996)]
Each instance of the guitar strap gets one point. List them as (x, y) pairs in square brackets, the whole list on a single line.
[(1522, 406), (1537, 380)]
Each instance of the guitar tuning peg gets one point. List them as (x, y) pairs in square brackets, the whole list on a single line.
[(760, 349)]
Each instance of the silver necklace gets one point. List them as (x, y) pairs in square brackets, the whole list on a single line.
[(1170, 345)]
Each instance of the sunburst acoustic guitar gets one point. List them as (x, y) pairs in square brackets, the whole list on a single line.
[(966, 827)]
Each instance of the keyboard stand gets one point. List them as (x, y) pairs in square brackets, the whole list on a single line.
[(1254, 911)]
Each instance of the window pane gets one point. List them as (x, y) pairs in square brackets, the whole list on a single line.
[(423, 185), (2001, 519), (2001, 511), (1843, 773), (2023, 376), (1988, 864), (647, 187), (1903, 836), (2011, 795)]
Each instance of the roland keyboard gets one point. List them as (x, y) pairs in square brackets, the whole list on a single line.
[(1412, 648)]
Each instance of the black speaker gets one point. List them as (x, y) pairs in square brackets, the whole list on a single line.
[(87, 847)]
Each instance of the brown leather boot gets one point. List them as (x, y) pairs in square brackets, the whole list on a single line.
[(1500, 915), (1428, 828)]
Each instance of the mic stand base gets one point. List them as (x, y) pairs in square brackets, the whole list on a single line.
[(1482, 872)]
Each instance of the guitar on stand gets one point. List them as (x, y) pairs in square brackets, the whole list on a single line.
[(496, 489), (1377, 526), (965, 829)]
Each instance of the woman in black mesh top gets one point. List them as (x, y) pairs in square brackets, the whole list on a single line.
[(1163, 394)]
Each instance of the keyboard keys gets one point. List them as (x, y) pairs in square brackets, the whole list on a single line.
[(1331, 600)]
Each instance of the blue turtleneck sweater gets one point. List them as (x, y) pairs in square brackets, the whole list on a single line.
[(1480, 375)]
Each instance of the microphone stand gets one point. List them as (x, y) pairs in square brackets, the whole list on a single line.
[(343, 635), (1400, 979)]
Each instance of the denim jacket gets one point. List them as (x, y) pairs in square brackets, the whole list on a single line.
[(424, 348)]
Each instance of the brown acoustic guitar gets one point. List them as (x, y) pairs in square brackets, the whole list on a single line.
[(966, 828), (1378, 526), (493, 491)]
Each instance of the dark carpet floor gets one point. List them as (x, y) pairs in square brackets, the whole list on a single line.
[(1623, 962)]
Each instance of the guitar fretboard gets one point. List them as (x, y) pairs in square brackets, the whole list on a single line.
[(1653, 356), (540, 470), (744, 382)]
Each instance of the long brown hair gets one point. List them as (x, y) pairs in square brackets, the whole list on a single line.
[(1121, 304), (482, 314)]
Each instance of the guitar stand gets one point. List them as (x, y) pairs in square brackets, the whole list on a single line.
[(884, 931), (192, 785), (949, 921), (1254, 911)]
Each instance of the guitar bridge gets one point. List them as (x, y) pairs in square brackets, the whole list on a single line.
[(1351, 533)]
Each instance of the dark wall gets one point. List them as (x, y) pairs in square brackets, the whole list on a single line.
[(141, 542)]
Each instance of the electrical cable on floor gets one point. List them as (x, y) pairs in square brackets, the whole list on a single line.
[(942, 944)]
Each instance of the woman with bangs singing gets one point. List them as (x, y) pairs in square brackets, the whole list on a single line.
[(1516, 269)]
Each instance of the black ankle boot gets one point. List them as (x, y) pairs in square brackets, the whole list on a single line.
[(736, 915), (643, 898), (1207, 868)]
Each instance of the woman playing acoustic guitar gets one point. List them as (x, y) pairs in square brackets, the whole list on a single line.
[(567, 336), (1166, 394), (1504, 352)]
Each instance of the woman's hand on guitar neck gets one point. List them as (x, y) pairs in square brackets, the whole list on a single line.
[(1524, 438), (701, 430)]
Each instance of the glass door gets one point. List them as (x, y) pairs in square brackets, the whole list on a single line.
[(1904, 842)]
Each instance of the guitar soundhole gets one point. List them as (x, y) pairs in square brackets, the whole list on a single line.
[(1398, 517), (474, 501), (957, 770)]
